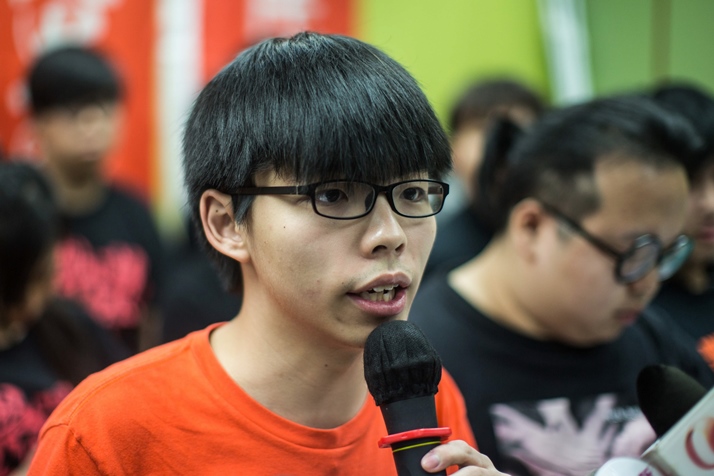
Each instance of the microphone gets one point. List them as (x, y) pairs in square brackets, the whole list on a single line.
[(681, 412), (403, 371), (665, 395)]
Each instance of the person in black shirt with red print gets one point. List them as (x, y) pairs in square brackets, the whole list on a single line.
[(110, 257), (47, 344)]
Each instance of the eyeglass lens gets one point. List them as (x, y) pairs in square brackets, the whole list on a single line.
[(675, 258), (641, 260), (415, 198), (645, 257)]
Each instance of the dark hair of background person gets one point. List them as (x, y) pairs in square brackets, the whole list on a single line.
[(555, 160), (489, 99), (696, 106), (29, 228), (486, 104), (71, 76), (500, 137), (292, 106), (29, 224)]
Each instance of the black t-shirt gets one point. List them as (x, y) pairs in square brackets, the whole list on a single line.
[(539, 407), (111, 260), (694, 313), (34, 377)]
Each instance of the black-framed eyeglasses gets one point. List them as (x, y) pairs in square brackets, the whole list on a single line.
[(347, 200), (645, 253)]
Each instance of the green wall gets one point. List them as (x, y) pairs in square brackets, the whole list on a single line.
[(639, 43), (619, 44), (446, 44), (692, 45)]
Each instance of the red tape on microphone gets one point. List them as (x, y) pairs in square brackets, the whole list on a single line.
[(389, 440)]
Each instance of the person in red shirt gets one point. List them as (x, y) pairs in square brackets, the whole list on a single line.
[(313, 167)]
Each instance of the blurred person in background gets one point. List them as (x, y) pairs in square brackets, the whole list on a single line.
[(547, 329), (463, 233), (110, 257), (312, 165), (688, 297), (47, 344)]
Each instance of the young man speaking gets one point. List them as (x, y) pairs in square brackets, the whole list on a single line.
[(313, 165)]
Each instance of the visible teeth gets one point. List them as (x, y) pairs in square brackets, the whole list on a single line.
[(385, 293), (379, 289)]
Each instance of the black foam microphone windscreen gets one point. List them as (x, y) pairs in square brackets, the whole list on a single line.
[(665, 395), (403, 371), (400, 363)]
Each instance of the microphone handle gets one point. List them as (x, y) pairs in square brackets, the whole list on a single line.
[(407, 415), (408, 459)]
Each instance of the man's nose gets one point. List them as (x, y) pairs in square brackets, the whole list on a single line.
[(385, 232)]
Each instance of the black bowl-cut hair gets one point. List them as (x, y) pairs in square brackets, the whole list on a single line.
[(71, 76), (310, 107)]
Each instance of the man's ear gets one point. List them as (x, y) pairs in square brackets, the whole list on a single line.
[(220, 227), (525, 226)]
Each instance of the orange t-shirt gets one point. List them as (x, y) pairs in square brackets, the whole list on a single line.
[(174, 410)]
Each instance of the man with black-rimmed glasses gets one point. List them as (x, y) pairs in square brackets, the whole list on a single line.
[(546, 331), (313, 167)]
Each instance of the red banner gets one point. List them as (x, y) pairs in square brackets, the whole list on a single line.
[(27, 28), (129, 32), (230, 26)]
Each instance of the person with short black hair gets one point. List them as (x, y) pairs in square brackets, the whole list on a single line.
[(688, 297), (464, 233), (47, 344), (72, 76), (476, 109), (546, 330), (313, 167), (111, 255)]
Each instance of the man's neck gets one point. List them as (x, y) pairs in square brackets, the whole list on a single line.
[(485, 283), (77, 197), (292, 379)]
